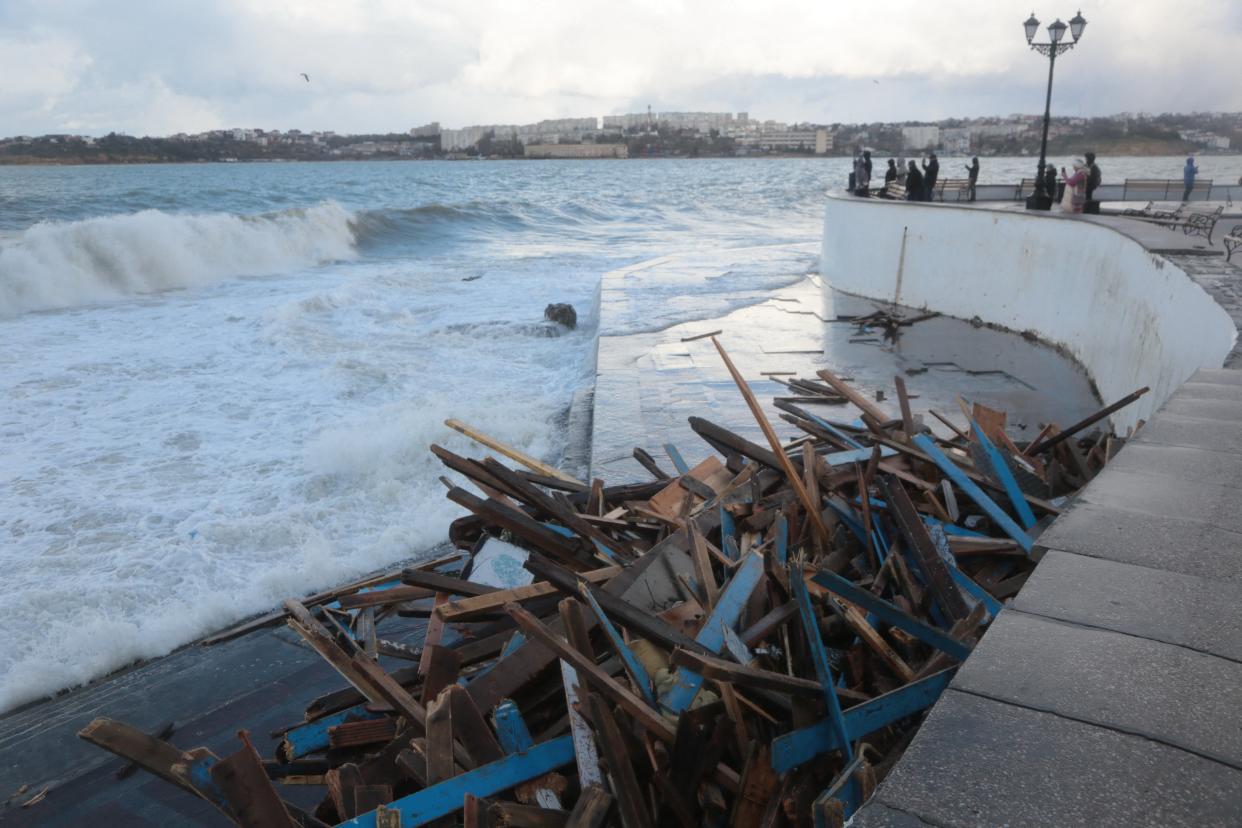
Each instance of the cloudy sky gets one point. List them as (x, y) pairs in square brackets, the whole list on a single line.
[(162, 66)]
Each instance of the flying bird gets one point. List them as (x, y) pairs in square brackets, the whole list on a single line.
[(303, 74)]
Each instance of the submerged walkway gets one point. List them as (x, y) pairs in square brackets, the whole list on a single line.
[(1109, 693)]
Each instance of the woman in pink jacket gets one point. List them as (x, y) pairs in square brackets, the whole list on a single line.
[(1075, 188)]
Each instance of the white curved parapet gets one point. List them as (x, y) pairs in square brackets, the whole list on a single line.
[(1130, 317)]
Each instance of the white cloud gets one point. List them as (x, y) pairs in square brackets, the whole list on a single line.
[(379, 65)]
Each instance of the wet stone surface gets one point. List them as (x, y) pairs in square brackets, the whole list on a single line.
[(649, 383)]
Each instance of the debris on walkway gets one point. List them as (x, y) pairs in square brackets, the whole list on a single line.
[(751, 641)]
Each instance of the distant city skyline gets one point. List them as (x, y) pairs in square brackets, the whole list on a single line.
[(157, 68)]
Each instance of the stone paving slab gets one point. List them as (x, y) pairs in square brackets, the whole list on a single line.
[(1220, 506), (1178, 463), (1176, 430), (1201, 408), (1197, 613), (1166, 693), (879, 815), (1209, 391), (1173, 544), (1217, 376), (977, 763)]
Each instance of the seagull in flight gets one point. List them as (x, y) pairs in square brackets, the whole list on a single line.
[(306, 76)]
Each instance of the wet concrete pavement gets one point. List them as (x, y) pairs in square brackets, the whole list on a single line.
[(649, 383)]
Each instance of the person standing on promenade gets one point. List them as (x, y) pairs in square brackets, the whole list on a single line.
[(972, 172), (890, 175), (1094, 179), (901, 170), (1050, 181), (931, 171), (862, 178), (914, 183), (1075, 188), (1188, 177), (867, 162)]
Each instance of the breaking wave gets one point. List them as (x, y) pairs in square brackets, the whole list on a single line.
[(60, 265)]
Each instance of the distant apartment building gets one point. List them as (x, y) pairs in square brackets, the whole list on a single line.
[(725, 123), (430, 130), (558, 130), (920, 137), (577, 151), (955, 141), (820, 140)]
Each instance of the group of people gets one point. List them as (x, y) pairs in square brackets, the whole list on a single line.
[(1078, 187), (920, 184)]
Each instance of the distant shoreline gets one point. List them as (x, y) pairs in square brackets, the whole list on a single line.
[(33, 161)]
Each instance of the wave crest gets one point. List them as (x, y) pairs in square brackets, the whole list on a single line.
[(66, 264)]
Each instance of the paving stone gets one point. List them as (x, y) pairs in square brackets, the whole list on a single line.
[(977, 763), (1221, 376), (1176, 430), (1173, 544), (1204, 409), (1164, 692), (1210, 390), (1177, 463), (1203, 502), (1199, 613), (878, 815)]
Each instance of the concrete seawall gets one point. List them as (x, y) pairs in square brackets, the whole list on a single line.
[(1131, 317)]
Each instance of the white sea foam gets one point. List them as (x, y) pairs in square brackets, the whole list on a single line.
[(66, 264)]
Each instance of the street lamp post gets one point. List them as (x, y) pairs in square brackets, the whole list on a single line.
[(1041, 199)]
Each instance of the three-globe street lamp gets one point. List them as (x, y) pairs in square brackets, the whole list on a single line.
[(1041, 199)]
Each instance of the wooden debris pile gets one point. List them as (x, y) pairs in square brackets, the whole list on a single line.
[(752, 641)]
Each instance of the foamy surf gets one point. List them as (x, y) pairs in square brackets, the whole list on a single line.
[(56, 265)]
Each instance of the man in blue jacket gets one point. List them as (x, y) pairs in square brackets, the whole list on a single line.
[(1188, 177)]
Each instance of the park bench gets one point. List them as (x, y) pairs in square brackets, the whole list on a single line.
[(960, 186), (1146, 212), (1164, 188), (1202, 222), (1232, 241), (1025, 188), (892, 190)]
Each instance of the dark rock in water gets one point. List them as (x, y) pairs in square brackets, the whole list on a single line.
[(561, 313)]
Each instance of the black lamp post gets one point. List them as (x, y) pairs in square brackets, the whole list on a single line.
[(1041, 199)]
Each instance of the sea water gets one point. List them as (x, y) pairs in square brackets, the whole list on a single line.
[(218, 383)]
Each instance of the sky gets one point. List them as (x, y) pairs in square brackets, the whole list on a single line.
[(155, 67)]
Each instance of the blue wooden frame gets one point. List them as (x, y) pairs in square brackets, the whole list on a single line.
[(891, 613), (445, 798), (313, 736), (820, 656), (630, 661), (728, 610), (1003, 473), (800, 746), (996, 513)]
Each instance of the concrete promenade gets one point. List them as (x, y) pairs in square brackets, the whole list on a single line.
[(1109, 693)]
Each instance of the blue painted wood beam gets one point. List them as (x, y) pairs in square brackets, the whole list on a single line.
[(819, 655), (800, 746), (728, 610), (1005, 475), (313, 736), (632, 665), (446, 798), (679, 463), (996, 513), (891, 614)]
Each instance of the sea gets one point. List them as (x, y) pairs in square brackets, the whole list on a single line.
[(219, 382)]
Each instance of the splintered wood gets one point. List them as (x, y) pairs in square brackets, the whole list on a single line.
[(749, 641)]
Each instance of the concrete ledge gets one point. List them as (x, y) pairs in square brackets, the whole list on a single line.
[(1130, 316), (982, 763)]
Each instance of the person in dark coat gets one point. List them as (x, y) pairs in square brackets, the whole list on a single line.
[(890, 175), (914, 183), (1094, 176), (931, 171), (972, 172), (867, 162), (1050, 182)]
